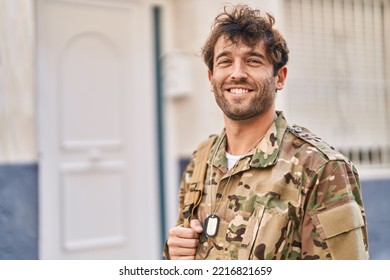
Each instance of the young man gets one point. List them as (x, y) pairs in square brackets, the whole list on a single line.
[(271, 191)]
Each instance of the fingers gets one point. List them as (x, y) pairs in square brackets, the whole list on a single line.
[(177, 253), (183, 257), (183, 242), (181, 232), (196, 225), (180, 242)]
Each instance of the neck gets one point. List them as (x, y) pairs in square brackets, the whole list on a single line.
[(243, 136)]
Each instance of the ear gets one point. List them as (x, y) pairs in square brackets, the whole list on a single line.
[(281, 78), (210, 74)]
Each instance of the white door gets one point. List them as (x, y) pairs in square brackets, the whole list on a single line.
[(98, 173)]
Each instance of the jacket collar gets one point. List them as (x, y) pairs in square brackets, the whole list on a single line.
[(267, 151), (265, 154)]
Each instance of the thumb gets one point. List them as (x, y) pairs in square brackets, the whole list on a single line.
[(196, 225)]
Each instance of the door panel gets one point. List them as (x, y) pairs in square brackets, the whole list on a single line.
[(86, 223), (91, 74)]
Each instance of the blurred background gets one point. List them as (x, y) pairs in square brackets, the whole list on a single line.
[(102, 103)]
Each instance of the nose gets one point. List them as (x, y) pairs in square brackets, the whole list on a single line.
[(239, 72)]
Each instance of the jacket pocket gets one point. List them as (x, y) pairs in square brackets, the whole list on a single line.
[(272, 240), (267, 232), (242, 229)]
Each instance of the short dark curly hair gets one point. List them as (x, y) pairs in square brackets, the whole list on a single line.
[(240, 23)]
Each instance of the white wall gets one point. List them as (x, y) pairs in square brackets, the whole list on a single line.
[(17, 112)]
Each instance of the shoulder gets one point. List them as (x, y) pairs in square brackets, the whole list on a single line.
[(205, 144), (202, 150), (315, 144)]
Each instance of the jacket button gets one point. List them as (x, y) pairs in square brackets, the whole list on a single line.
[(298, 129)]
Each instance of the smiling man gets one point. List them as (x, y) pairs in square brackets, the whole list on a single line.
[(262, 189)]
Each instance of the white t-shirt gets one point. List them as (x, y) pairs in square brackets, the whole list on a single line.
[(231, 160)]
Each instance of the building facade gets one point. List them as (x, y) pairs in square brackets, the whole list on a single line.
[(103, 101)]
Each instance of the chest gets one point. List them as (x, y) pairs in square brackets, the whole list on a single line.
[(257, 209)]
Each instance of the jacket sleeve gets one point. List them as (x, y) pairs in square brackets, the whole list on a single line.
[(334, 222)]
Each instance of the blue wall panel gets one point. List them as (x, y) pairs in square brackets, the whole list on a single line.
[(18, 211), (376, 197)]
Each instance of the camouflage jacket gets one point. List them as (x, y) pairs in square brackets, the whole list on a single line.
[(292, 197)]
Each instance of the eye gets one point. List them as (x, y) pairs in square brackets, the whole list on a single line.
[(254, 61), (224, 62)]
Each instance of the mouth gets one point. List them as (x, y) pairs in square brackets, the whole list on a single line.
[(238, 91)]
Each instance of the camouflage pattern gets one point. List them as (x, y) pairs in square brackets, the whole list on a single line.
[(292, 197)]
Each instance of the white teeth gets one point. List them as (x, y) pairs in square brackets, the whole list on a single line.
[(238, 91)]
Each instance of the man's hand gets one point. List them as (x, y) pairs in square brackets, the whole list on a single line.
[(183, 242)]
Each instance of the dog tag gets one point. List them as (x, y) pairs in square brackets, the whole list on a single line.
[(211, 225)]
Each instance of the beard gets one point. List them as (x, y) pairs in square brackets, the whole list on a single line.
[(261, 99)]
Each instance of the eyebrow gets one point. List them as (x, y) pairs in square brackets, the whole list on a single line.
[(257, 54), (250, 53), (224, 53)]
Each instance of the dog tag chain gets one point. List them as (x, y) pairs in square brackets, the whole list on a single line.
[(211, 223)]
